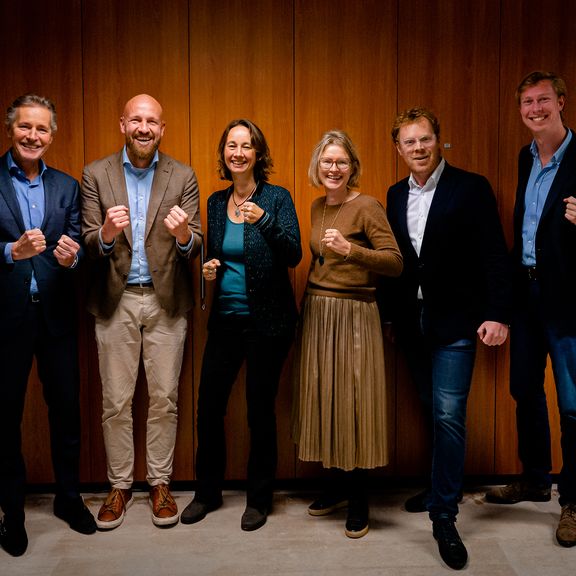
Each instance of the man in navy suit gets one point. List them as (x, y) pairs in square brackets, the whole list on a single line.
[(39, 250), (544, 317), (453, 289)]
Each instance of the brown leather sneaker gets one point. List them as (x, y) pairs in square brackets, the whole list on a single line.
[(566, 533), (114, 508), (520, 491), (164, 509)]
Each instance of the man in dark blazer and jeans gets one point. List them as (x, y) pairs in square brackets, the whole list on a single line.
[(544, 317), (39, 250), (453, 289)]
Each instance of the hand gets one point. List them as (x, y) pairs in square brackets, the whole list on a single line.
[(251, 212), (570, 209), (177, 224), (493, 333), (30, 244), (334, 240), (66, 250), (117, 218), (209, 269)]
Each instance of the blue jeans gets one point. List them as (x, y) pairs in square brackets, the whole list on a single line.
[(443, 375), (533, 338)]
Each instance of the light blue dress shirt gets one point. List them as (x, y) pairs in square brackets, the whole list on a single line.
[(30, 196), (139, 187), (537, 189)]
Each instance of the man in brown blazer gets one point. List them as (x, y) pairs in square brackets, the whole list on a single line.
[(140, 225)]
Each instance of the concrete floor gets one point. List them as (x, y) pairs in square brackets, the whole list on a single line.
[(501, 540)]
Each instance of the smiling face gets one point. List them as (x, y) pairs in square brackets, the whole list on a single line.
[(541, 107), (143, 128), (239, 153), (31, 135), (419, 148), (334, 168)]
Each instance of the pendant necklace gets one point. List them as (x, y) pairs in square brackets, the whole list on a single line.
[(322, 231), (237, 209)]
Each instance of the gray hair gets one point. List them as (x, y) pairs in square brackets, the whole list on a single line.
[(31, 100)]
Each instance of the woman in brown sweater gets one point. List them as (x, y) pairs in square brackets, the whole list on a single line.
[(339, 415)]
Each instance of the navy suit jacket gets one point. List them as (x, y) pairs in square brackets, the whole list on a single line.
[(56, 286), (463, 267), (555, 238)]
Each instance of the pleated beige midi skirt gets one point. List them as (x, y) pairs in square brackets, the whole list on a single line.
[(339, 399)]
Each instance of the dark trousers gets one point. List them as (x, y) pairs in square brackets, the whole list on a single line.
[(57, 364), (230, 343), (533, 338)]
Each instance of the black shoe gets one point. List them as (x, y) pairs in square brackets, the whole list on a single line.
[(196, 511), (418, 502), (326, 504), (357, 520), (450, 545), (75, 512), (13, 537), (253, 518)]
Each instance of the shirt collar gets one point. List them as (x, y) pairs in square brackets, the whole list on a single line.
[(559, 154), (432, 182), (128, 164), (15, 170)]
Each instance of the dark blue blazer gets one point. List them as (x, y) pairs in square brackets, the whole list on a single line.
[(463, 266), (555, 238), (55, 284)]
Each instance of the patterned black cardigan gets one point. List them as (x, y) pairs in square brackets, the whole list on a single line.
[(271, 246)]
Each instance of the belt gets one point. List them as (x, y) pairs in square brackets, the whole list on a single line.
[(531, 272), (140, 285), (34, 297)]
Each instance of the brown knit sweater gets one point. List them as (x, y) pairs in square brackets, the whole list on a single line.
[(363, 222)]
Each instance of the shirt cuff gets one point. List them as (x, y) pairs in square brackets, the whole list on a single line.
[(8, 253), (186, 247), (106, 248)]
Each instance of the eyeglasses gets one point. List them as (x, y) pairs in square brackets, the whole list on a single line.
[(342, 165), (424, 141)]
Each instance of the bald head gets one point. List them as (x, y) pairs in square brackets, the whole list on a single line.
[(143, 127)]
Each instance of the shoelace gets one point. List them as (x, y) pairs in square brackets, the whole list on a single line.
[(110, 504), (165, 500), (447, 532)]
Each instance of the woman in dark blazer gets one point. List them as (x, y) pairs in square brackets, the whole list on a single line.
[(253, 239)]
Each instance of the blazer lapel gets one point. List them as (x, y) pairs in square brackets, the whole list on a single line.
[(117, 181), (442, 196), (159, 186), (565, 171), (9, 194)]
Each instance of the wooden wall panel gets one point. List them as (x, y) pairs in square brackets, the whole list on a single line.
[(130, 48), (41, 53), (241, 66), (345, 74), (448, 61), (530, 42)]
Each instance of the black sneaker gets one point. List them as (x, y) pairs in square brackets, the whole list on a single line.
[(74, 511), (326, 504), (357, 521), (13, 537), (450, 545)]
